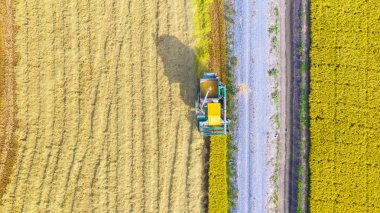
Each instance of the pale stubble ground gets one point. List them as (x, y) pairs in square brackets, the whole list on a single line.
[(104, 115)]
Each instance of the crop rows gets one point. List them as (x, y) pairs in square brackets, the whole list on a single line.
[(218, 58), (218, 201), (202, 31), (210, 37), (103, 97), (344, 106)]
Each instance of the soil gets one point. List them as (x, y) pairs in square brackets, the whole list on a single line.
[(285, 105), (105, 92)]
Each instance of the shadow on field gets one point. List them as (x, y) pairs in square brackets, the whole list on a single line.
[(179, 66), (178, 60)]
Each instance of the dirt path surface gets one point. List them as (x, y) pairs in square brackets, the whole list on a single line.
[(256, 136), (104, 92), (286, 109), (244, 111)]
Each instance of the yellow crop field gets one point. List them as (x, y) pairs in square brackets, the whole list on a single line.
[(104, 91), (202, 34), (218, 199), (345, 106), (210, 38)]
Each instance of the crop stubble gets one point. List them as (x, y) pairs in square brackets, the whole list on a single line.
[(8, 146), (101, 127)]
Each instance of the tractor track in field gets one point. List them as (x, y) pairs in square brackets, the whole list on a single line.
[(105, 96)]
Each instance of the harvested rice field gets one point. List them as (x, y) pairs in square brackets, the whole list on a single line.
[(102, 95)]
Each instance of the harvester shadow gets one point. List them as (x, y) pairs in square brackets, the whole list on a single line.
[(179, 65)]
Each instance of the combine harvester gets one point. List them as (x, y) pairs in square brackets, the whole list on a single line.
[(210, 107)]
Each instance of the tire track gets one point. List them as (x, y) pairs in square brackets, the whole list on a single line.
[(120, 32), (56, 142), (150, 73), (196, 148), (108, 131), (53, 126), (96, 193), (77, 45), (162, 102), (37, 38), (115, 126), (112, 81), (172, 169), (93, 101), (86, 107), (117, 182), (176, 197), (25, 96), (90, 140), (173, 21), (63, 127), (156, 82), (169, 133), (190, 137), (188, 160), (104, 107), (128, 128), (179, 196), (143, 106), (99, 194), (139, 105), (132, 122), (93, 179)]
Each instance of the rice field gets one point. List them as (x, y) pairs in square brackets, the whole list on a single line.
[(97, 97), (344, 106), (218, 201)]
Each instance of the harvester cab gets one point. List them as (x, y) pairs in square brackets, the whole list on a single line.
[(210, 107)]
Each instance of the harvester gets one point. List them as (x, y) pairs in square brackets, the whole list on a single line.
[(210, 107)]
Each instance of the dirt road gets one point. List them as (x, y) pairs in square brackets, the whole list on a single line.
[(255, 134), (104, 96), (286, 109), (244, 111)]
